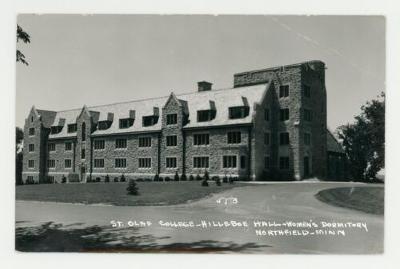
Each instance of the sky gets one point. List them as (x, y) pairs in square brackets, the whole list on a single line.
[(99, 59)]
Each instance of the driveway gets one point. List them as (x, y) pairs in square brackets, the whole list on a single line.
[(279, 203)]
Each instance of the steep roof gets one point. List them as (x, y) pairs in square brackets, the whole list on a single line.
[(192, 102), (332, 144)]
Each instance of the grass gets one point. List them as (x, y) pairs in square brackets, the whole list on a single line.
[(365, 199), (150, 193)]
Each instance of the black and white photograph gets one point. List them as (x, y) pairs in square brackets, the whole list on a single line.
[(256, 134)]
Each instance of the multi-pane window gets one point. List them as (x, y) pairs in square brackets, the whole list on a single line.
[(284, 138), (307, 91), (72, 128), (172, 140), (104, 125), (200, 162), (267, 162), (284, 114), (51, 146), (172, 119), (31, 147), (55, 129), (31, 131), (67, 163), (234, 138), (31, 163), (120, 163), (307, 138), (307, 115), (238, 112), (205, 115), (266, 114), (68, 146), (284, 163), (144, 162), (125, 123), (120, 143), (170, 162), (283, 91), (83, 154), (201, 139), (51, 163), (149, 120), (242, 162), (83, 132), (267, 138), (99, 144), (229, 161), (99, 163), (144, 142)]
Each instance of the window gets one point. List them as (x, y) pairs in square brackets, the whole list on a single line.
[(266, 114), (32, 119), (120, 143), (242, 162), (200, 162), (267, 162), (51, 163), (205, 115), (284, 114), (31, 163), (51, 146), (201, 139), (284, 138), (72, 128), (284, 163), (31, 131), (172, 140), (119, 163), (82, 153), (229, 161), (283, 91), (31, 147), (149, 120), (125, 123), (55, 129), (83, 131), (144, 142), (144, 162), (29, 179), (307, 139), (67, 163), (170, 162), (99, 144), (104, 125), (307, 115), (172, 119), (234, 138), (68, 146), (307, 91), (267, 138), (99, 163), (238, 112)]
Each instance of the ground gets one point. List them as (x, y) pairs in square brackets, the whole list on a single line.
[(49, 226)]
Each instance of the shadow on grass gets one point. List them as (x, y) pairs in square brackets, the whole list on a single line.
[(50, 237)]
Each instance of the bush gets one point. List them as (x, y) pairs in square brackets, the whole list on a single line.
[(161, 179), (191, 177), (107, 179), (123, 179), (231, 180), (183, 177), (139, 179), (147, 179), (98, 179), (29, 181), (204, 183), (156, 177), (115, 179), (198, 177), (217, 180), (225, 179), (206, 176), (132, 188), (167, 179), (88, 179), (63, 179), (176, 177)]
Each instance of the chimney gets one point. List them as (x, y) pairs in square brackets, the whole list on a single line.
[(204, 86)]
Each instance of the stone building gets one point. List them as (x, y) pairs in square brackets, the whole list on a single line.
[(270, 126)]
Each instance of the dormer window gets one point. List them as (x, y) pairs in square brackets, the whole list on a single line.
[(104, 125), (72, 128), (238, 112), (125, 123), (205, 115), (55, 129), (149, 120)]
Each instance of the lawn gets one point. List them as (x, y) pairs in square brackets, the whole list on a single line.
[(365, 199), (150, 193)]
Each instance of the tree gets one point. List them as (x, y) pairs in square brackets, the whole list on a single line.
[(364, 140), (22, 35), (19, 135), (132, 188)]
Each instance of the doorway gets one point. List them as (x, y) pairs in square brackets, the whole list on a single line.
[(306, 167), (83, 173)]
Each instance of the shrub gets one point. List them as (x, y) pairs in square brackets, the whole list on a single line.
[(63, 179), (147, 179), (218, 181), (206, 176), (132, 188), (115, 179), (29, 181), (176, 177), (225, 179), (167, 179), (98, 179), (156, 177), (123, 179), (214, 178), (231, 179), (183, 177), (191, 177), (139, 179), (107, 178), (88, 179), (161, 179), (198, 177)]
